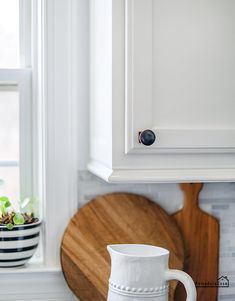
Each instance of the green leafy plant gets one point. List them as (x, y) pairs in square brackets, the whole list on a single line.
[(4, 204), (9, 217)]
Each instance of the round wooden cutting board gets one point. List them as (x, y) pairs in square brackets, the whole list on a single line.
[(110, 219)]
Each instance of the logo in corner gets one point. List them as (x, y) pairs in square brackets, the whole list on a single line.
[(222, 281)]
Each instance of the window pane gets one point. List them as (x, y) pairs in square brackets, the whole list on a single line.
[(10, 187), (9, 33), (9, 142), (9, 123)]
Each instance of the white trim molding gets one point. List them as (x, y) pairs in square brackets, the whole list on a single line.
[(60, 140), (177, 175), (138, 73), (41, 285), (58, 123)]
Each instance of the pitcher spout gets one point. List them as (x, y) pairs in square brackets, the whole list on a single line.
[(116, 249), (111, 248)]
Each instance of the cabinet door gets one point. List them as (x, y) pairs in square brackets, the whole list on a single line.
[(180, 75)]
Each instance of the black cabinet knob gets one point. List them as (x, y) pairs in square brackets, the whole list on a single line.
[(147, 137)]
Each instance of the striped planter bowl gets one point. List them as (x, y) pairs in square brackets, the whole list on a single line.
[(18, 245)]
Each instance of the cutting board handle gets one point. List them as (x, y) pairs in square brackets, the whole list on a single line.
[(191, 193)]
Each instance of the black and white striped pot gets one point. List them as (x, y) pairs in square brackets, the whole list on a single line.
[(18, 245)]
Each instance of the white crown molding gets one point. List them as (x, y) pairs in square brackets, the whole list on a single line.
[(161, 175)]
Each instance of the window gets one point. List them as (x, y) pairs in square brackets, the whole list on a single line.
[(9, 34), (48, 135), (15, 102), (41, 88), (9, 140)]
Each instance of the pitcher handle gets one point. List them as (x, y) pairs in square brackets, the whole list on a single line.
[(186, 280)]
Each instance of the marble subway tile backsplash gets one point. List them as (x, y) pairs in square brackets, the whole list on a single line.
[(217, 199)]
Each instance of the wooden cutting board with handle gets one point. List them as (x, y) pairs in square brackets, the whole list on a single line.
[(110, 219), (200, 232)]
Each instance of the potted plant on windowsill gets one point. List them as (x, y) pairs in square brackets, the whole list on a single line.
[(19, 232)]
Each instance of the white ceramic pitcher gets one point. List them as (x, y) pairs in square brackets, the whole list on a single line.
[(140, 272)]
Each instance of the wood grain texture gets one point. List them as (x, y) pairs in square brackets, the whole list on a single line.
[(200, 232), (111, 219)]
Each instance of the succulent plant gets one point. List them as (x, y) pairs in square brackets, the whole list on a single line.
[(10, 217)]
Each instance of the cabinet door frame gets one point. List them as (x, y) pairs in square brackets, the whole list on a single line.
[(139, 87)]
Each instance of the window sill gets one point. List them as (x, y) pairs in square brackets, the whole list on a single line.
[(34, 282), (33, 267)]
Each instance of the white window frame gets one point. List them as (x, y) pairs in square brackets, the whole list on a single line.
[(22, 78), (58, 28)]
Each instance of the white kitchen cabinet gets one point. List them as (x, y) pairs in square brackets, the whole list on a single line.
[(167, 66)]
